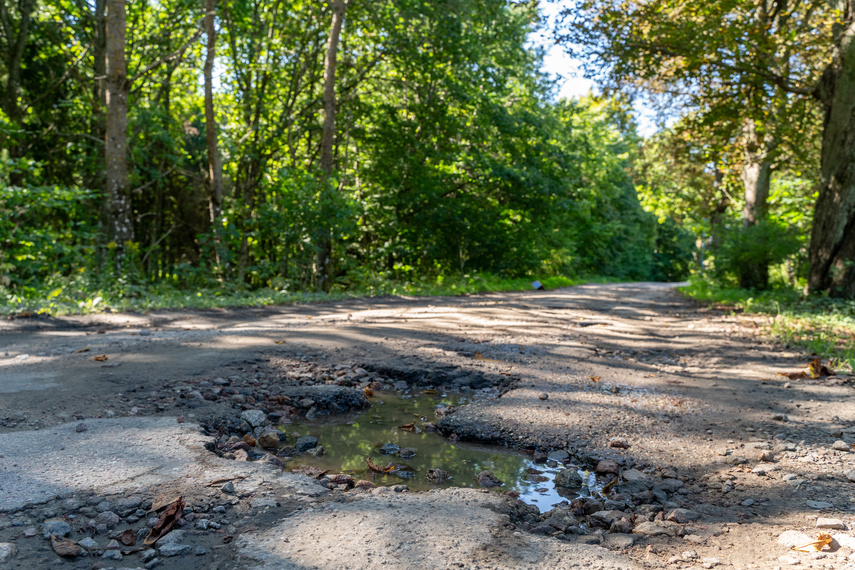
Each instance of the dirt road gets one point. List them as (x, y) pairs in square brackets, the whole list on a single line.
[(723, 462)]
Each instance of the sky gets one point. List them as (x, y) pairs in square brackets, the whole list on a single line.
[(571, 81)]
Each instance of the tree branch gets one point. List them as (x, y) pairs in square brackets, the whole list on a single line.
[(169, 57)]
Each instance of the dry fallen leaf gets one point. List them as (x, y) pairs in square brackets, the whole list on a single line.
[(279, 341), (794, 375), (823, 539), (65, 548), (430, 392), (128, 538), (368, 391), (167, 520), (594, 378), (410, 427), (84, 349), (101, 358), (374, 467), (249, 440), (817, 369), (343, 480)]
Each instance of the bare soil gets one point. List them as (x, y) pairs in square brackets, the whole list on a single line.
[(686, 393)]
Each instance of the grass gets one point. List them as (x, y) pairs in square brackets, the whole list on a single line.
[(822, 325), (79, 297)]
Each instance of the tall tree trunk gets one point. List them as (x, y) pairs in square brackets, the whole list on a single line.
[(756, 179), (215, 173), (832, 242), (323, 259), (16, 42), (118, 196)]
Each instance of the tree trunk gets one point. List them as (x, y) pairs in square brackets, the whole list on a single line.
[(832, 243), (756, 179), (215, 173), (16, 41), (323, 259), (118, 196)]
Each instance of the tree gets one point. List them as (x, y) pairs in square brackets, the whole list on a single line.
[(14, 40), (215, 171), (324, 255), (121, 229), (832, 244), (751, 74)]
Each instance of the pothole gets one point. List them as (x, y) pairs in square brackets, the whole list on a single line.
[(339, 439)]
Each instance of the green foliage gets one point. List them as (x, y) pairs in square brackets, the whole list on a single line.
[(674, 256), (761, 245)]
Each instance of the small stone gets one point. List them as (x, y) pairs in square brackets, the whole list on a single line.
[(306, 443), (841, 445), (819, 504), (407, 452), (487, 479), (111, 555), (668, 485), (202, 524), (689, 555), (569, 479), (389, 449), (619, 443), (747, 502), (780, 418), (652, 529), (153, 563), (268, 440), (850, 475), (169, 550), (88, 543), (539, 457), (103, 506), (228, 488), (682, 516), (789, 560), (148, 554), (200, 551), (608, 466), (174, 537), (56, 527), (254, 418), (108, 518), (711, 562), (836, 524), (544, 396), (80, 427), (559, 455), (30, 532), (767, 457), (7, 551), (317, 451)]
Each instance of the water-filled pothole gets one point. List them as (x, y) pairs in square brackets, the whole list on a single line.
[(350, 440)]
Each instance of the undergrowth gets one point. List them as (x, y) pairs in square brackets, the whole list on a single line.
[(822, 325), (68, 297)]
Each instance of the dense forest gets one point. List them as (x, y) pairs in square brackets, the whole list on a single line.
[(299, 146)]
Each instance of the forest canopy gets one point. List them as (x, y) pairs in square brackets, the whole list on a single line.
[(323, 146)]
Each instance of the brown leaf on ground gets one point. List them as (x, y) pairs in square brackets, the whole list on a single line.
[(167, 520), (84, 349), (161, 502), (430, 392), (818, 369), (794, 375), (65, 548), (823, 539), (128, 538), (311, 471), (249, 440), (343, 480), (100, 358), (368, 392), (410, 427), (376, 468), (279, 341), (594, 378)]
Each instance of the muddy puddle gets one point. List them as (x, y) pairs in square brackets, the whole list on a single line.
[(376, 434)]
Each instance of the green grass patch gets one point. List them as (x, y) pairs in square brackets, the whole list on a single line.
[(67, 297), (822, 325)]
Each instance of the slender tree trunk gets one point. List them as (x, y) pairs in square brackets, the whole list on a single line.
[(16, 42), (832, 243), (323, 259), (756, 179), (118, 196), (215, 173)]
